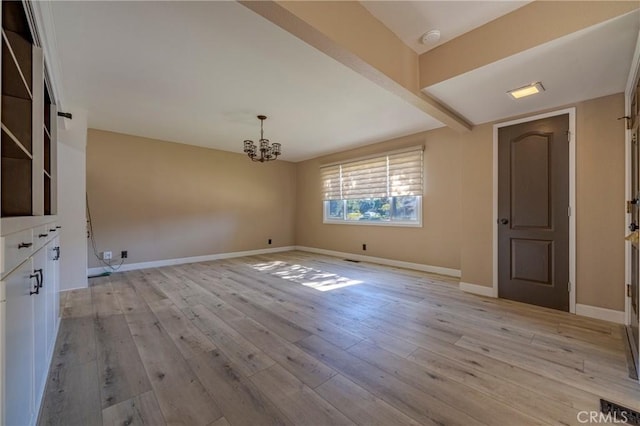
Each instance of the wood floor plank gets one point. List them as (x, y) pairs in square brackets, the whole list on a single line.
[(104, 302), (545, 386), (296, 400), (519, 396), (617, 391), (78, 304), (127, 297), (72, 397), (185, 335), (361, 406), (220, 422), (476, 404), (244, 354), (76, 341), (304, 367), (253, 341), (137, 411), (279, 325), (181, 396), (120, 370), (416, 404), (240, 401)]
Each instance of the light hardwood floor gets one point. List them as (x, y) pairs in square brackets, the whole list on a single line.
[(302, 339)]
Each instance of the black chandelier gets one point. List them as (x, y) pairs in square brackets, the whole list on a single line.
[(267, 153)]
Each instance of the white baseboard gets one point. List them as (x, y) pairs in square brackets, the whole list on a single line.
[(64, 290), (382, 261), (183, 260), (480, 290), (600, 313)]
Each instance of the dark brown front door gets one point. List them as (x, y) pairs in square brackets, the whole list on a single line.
[(533, 212)]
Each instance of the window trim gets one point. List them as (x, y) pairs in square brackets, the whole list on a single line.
[(329, 221)]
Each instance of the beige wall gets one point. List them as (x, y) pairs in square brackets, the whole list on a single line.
[(162, 200), (600, 201), (437, 243), (458, 205), (599, 197)]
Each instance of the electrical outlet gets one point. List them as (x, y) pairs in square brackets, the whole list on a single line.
[(107, 255), (269, 241), (124, 254), (364, 247)]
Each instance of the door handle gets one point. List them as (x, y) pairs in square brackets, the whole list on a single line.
[(633, 227), (503, 221), (57, 250)]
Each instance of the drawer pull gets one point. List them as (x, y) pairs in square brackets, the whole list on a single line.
[(24, 245), (37, 286), (42, 235), (58, 227), (41, 279), (52, 230)]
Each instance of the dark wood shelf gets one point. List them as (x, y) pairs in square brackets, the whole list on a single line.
[(16, 116), (14, 19), (16, 187), (47, 110), (47, 194), (47, 154), (10, 149), (16, 82)]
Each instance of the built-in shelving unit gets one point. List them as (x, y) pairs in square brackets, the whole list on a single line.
[(27, 137), (29, 242), (16, 151), (47, 170)]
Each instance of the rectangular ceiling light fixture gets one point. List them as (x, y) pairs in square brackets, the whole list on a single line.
[(528, 90)]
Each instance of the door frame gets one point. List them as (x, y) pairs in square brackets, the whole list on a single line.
[(572, 197), (634, 75)]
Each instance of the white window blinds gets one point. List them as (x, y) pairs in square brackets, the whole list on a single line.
[(392, 174)]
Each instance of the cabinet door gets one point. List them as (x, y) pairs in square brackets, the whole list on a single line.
[(40, 348), (19, 392), (52, 293)]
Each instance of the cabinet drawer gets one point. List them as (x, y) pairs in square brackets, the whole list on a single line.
[(41, 235), (14, 249)]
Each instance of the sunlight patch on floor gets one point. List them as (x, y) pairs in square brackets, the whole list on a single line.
[(308, 277)]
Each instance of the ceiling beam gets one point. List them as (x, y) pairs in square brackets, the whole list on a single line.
[(527, 27), (347, 32)]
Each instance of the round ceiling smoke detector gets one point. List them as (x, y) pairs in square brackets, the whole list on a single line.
[(431, 37)]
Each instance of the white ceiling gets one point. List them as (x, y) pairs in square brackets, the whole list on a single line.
[(200, 72), (584, 65), (409, 20)]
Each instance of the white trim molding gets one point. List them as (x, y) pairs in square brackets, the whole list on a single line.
[(632, 81), (600, 313), (572, 197), (183, 260), (480, 290), (388, 262)]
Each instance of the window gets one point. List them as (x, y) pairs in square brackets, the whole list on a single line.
[(381, 190)]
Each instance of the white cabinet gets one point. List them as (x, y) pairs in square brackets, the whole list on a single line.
[(30, 315), (19, 404), (29, 311), (52, 292), (40, 352)]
